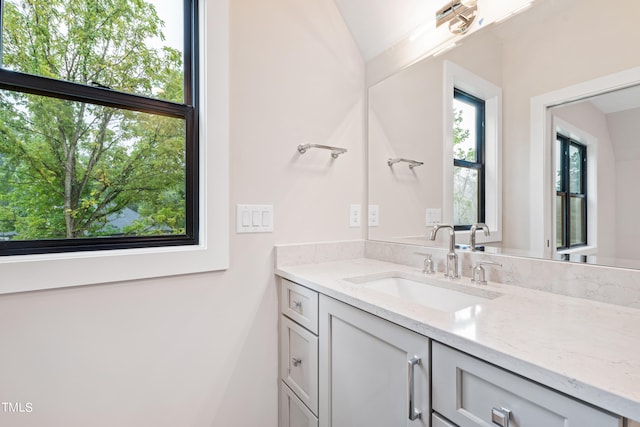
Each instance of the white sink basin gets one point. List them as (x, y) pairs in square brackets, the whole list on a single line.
[(441, 295)]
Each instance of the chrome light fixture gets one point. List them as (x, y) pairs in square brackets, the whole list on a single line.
[(459, 14)]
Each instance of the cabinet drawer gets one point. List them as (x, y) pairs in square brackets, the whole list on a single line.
[(438, 421), (293, 413), (300, 304), (299, 362), (470, 393)]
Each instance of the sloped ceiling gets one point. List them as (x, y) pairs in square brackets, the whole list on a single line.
[(377, 25), (617, 101)]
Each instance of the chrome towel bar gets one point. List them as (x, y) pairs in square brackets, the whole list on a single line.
[(412, 163), (335, 151)]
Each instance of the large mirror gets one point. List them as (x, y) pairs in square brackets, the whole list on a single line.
[(561, 154)]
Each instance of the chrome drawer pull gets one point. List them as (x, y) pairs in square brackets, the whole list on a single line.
[(297, 305), (414, 414), (500, 416), (296, 362)]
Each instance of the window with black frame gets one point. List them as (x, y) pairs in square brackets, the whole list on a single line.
[(468, 160), (98, 125), (571, 193)]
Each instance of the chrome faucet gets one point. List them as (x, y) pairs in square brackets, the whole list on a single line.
[(475, 227), (451, 266)]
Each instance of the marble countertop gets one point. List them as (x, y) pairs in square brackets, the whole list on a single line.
[(586, 349)]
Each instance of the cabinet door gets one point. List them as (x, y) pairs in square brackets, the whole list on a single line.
[(293, 413), (366, 370)]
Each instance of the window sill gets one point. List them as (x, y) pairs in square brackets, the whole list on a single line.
[(582, 250), (36, 272), (465, 236)]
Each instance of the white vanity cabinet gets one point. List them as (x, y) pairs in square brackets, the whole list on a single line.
[(469, 392), (373, 373), (341, 366)]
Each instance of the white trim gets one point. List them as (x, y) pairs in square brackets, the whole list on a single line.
[(34, 272), (542, 135), (456, 76)]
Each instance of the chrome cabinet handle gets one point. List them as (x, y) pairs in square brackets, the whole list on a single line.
[(500, 416), (296, 305), (414, 414), (296, 362)]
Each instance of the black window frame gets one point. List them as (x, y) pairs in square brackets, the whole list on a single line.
[(565, 193), (479, 164), (188, 111)]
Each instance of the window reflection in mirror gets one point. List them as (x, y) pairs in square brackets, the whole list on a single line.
[(571, 194), (596, 162), (468, 160)]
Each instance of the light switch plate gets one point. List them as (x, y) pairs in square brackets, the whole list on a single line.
[(374, 215), (254, 219), (355, 214)]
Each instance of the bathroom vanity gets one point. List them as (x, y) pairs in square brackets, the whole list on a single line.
[(368, 339), (362, 344)]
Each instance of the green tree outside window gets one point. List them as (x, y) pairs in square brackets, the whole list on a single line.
[(73, 169)]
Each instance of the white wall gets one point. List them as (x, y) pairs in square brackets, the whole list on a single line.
[(628, 206), (406, 119), (624, 127), (201, 350)]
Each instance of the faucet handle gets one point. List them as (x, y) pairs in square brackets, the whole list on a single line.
[(489, 263), (478, 272), (428, 263)]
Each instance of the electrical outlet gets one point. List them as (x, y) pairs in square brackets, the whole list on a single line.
[(374, 215), (355, 213), (434, 217)]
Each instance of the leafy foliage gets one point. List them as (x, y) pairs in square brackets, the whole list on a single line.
[(465, 204), (460, 136), (67, 169)]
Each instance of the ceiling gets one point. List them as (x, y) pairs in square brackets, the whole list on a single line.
[(377, 25), (619, 100)]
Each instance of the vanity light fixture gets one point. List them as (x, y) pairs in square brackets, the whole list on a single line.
[(460, 14), (412, 163), (335, 151)]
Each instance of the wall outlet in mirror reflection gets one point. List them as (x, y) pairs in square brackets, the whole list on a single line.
[(354, 215), (434, 216), (374, 215)]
